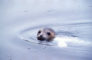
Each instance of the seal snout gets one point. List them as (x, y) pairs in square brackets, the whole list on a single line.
[(41, 38)]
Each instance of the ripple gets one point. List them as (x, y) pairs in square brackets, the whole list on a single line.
[(66, 35)]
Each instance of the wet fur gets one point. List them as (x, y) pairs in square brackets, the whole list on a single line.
[(44, 32)]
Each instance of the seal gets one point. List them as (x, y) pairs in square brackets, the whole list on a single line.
[(46, 34)]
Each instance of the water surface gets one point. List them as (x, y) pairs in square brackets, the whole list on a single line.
[(68, 18)]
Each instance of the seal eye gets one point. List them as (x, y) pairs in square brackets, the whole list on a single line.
[(48, 33), (39, 31)]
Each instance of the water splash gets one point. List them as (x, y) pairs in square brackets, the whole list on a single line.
[(65, 41)]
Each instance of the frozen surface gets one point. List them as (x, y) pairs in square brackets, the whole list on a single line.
[(72, 21)]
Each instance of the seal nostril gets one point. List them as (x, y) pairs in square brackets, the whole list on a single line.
[(41, 36)]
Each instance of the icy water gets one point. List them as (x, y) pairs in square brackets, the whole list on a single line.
[(71, 20)]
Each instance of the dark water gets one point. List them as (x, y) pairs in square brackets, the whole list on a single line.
[(24, 18)]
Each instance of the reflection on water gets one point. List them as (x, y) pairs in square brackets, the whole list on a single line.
[(70, 19)]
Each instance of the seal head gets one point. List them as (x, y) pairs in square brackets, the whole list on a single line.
[(45, 34)]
